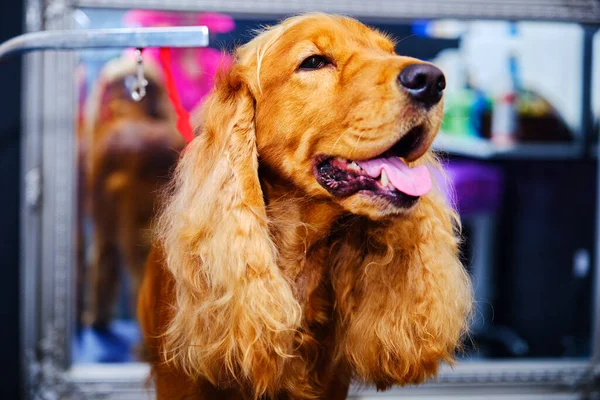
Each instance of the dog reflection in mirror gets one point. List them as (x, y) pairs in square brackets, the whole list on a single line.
[(131, 149), (304, 244)]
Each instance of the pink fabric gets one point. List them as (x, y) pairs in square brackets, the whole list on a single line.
[(411, 181), (194, 69), (216, 23)]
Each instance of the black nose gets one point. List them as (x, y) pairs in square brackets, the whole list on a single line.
[(424, 82)]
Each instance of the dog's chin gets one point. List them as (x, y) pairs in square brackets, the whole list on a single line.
[(374, 207)]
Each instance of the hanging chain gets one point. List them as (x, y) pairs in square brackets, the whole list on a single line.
[(138, 90)]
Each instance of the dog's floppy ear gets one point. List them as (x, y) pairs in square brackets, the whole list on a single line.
[(235, 314)]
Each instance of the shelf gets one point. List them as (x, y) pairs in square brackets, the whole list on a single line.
[(581, 11), (484, 149)]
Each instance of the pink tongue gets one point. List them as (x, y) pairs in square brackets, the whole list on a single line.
[(411, 181)]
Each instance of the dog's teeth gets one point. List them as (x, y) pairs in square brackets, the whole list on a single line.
[(384, 178), (353, 166)]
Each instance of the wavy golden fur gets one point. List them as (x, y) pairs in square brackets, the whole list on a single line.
[(261, 283)]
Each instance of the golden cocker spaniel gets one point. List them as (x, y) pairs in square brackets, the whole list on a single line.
[(304, 244)]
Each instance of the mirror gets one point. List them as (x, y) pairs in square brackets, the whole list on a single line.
[(514, 196)]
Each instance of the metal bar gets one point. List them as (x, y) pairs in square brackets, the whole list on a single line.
[(183, 36), (587, 123), (31, 221), (587, 114), (585, 11)]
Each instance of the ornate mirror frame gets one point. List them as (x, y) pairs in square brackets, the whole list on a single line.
[(49, 211)]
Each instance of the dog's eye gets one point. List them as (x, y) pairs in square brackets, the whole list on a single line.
[(314, 62)]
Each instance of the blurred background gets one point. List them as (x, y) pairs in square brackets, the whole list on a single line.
[(515, 140)]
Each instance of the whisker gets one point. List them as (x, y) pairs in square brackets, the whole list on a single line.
[(405, 38), (357, 142), (337, 141)]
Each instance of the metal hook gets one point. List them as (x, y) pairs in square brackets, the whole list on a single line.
[(138, 90)]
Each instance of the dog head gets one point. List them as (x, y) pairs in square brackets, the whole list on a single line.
[(337, 113)]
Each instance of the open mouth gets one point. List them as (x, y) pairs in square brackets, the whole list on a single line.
[(386, 176)]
